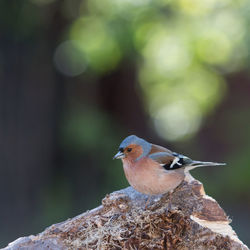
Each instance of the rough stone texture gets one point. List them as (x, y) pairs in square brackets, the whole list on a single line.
[(193, 221)]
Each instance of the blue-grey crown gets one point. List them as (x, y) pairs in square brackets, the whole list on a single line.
[(133, 139)]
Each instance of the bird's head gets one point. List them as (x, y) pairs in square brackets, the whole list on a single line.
[(133, 148)]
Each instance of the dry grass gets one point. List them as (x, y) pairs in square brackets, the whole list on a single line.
[(132, 230)]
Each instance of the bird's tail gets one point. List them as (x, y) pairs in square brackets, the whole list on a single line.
[(196, 164)]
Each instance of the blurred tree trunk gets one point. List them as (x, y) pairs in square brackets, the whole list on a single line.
[(30, 101)]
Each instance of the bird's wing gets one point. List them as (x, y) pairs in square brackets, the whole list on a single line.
[(157, 148), (168, 159)]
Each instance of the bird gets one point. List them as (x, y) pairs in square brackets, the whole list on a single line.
[(152, 169)]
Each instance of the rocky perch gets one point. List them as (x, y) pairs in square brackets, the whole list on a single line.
[(194, 221)]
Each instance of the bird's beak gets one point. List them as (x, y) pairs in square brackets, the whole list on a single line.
[(119, 155)]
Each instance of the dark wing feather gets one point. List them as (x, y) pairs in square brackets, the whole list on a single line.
[(168, 159)]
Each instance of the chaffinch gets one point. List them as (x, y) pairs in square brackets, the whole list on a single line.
[(152, 169)]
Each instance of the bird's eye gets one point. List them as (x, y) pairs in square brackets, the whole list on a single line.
[(129, 149)]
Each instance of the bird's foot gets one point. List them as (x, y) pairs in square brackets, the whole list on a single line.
[(169, 207), (147, 202)]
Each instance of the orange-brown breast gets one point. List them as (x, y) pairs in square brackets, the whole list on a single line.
[(148, 177)]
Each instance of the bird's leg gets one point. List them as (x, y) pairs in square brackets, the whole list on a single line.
[(170, 201), (146, 205)]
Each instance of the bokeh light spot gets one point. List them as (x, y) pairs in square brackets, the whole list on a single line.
[(69, 60), (95, 39), (167, 54), (196, 7), (214, 47), (178, 120)]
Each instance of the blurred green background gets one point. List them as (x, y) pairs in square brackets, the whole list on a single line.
[(77, 76)]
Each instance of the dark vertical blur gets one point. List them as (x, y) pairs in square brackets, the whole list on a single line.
[(30, 103), (65, 105)]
